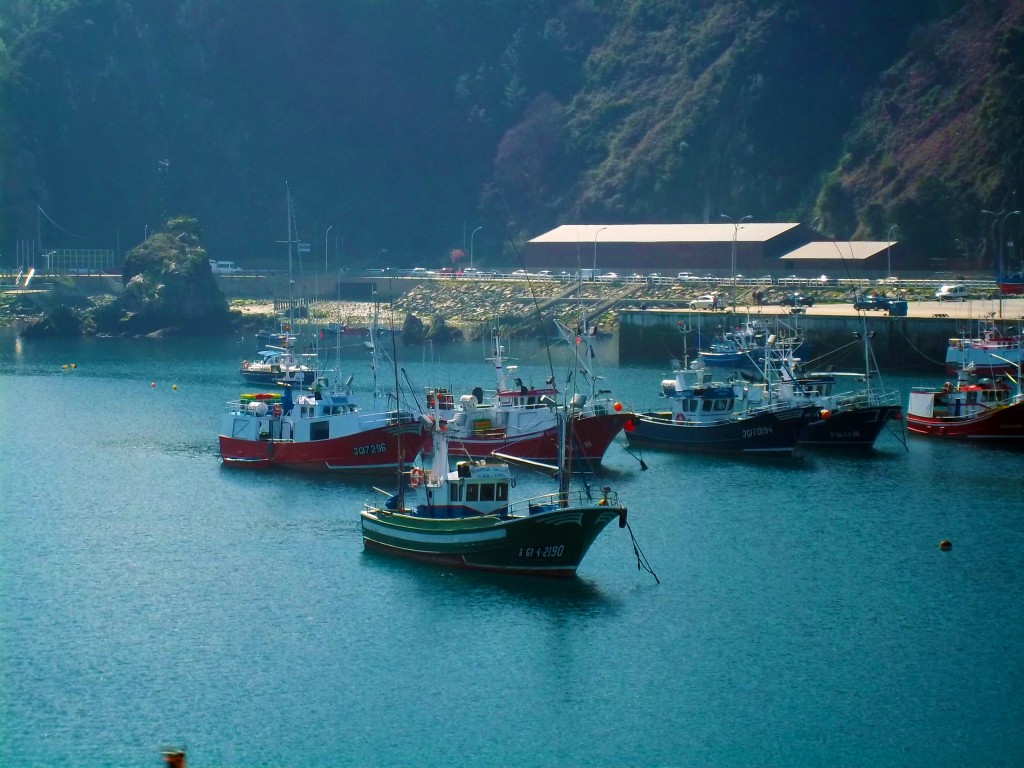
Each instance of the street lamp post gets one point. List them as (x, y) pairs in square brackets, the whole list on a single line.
[(471, 245), (325, 246), (1002, 238), (735, 234), (889, 249), (602, 229), (998, 227)]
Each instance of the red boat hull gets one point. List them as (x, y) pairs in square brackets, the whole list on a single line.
[(1003, 425), (1011, 287), (591, 436), (376, 450)]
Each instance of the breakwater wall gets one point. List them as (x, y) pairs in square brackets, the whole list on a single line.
[(899, 343)]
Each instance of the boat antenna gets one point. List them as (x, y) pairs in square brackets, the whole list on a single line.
[(398, 401), (533, 293)]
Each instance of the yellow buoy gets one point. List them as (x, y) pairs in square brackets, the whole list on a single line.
[(174, 387), (74, 365), (945, 545)]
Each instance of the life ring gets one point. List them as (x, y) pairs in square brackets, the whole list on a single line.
[(680, 419), (415, 477), (276, 410)]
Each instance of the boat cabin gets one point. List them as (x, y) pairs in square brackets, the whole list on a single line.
[(475, 488)]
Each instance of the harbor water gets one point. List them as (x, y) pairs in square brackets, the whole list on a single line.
[(805, 615)]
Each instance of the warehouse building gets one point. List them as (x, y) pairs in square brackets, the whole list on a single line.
[(748, 248)]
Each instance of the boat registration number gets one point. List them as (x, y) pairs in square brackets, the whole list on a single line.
[(369, 450), (552, 551), (757, 431)]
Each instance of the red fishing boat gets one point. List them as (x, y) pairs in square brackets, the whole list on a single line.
[(980, 409), (991, 351), (520, 420), (322, 430)]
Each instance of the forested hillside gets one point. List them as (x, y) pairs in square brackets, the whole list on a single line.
[(403, 126)]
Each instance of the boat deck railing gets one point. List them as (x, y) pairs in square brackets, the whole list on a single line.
[(866, 398), (549, 502), (365, 419)]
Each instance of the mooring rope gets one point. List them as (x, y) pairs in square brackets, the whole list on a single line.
[(641, 558)]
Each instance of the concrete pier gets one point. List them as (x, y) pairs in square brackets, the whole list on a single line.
[(915, 342)]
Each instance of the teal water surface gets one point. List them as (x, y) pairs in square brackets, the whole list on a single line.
[(805, 614)]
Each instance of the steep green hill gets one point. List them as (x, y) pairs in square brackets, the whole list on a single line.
[(405, 126)]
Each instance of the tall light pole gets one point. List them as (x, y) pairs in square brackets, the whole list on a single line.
[(1002, 237), (471, 245), (602, 229), (735, 234), (889, 248), (999, 222), (325, 246)]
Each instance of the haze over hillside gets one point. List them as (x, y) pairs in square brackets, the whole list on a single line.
[(404, 126)]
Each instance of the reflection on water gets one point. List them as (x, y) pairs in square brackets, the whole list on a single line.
[(150, 595)]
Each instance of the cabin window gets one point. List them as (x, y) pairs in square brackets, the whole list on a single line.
[(502, 491), (487, 492), (722, 405), (454, 492), (319, 430), (472, 491), (708, 405)]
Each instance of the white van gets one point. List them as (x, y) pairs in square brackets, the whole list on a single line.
[(224, 267), (952, 292)]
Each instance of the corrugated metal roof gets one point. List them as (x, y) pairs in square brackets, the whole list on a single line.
[(749, 231), (829, 250)]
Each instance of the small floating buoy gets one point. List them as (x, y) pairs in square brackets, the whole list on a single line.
[(64, 367), (73, 366), (152, 385), (174, 387), (945, 545)]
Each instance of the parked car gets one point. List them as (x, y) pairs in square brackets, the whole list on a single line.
[(952, 292), (225, 267), (796, 300), (872, 301), (707, 301), (608, 277)]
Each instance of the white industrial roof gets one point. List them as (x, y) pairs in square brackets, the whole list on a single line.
[(852, 250), (749, 231)]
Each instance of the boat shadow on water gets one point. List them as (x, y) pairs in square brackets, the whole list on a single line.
[(462, 586)]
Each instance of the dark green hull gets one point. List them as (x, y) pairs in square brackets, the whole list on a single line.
[(548, 543)]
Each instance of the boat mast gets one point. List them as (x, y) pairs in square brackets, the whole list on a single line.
[(291, 238)]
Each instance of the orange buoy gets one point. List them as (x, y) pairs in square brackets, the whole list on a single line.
[(617, 407)]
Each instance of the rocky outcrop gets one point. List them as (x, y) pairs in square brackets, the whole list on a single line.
[(168, 288)]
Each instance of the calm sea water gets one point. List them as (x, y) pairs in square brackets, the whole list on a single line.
[(805, 615)]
